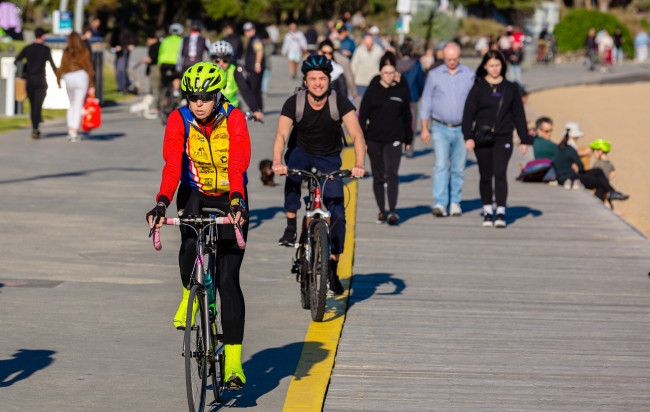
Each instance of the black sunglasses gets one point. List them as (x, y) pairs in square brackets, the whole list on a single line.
[(203, 97), (222, 59)]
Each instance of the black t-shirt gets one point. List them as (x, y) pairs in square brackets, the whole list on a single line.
[(317, 133)]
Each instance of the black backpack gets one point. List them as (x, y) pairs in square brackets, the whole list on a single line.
[(301, 101)]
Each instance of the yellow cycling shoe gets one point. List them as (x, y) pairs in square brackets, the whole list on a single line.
[(181, 313), (233, 370)]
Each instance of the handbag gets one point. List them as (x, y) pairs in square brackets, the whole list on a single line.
[(92, 116), (20, 89), (483, 135)]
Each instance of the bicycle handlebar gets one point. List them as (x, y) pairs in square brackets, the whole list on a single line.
[(318, 174), (177, 221)]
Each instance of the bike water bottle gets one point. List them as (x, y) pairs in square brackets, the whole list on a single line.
[(207, 282)]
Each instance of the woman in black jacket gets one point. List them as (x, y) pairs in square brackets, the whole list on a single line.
[(494, 103), (385, 117)]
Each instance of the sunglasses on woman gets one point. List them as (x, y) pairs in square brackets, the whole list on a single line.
[(203, 97), (222, 59)]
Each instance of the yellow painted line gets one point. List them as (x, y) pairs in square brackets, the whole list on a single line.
[(309, 383)]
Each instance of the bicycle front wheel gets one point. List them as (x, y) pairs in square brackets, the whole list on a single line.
[(217, 359), (195, 352), (319, 271)]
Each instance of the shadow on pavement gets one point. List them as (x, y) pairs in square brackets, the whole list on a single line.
[(265, 369), (413, 177), (23, 364), (75, 174), (513, 213), (411, 212), (365, 286), (104, 137), (257, 216)]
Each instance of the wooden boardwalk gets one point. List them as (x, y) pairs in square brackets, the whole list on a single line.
[(550, 314)]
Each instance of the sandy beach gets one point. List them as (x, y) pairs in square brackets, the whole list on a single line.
[(618, 113)]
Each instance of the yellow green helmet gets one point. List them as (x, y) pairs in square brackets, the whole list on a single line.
[(203, 77), (601, 144)]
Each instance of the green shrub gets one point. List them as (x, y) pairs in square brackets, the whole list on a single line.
[(572, 30), (444, 26)]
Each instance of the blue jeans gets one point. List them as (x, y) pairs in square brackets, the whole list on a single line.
[(449, 169), (332, 196)]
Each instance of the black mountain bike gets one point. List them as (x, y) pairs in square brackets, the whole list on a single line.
[(203, 340), (312, 262)]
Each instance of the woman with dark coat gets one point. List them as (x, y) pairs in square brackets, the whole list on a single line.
[(494, 103), (385, 117)]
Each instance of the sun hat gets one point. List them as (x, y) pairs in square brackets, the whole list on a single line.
[(573, 128), (601, 144)]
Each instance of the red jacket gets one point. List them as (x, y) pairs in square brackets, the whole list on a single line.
[(181, 164)]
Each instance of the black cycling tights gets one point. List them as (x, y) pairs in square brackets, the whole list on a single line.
[(229, 260)]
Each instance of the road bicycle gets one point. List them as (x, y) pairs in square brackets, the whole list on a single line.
[(312, 261), (203, 347)]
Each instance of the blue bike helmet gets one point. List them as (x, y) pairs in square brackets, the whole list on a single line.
[(317, 62)]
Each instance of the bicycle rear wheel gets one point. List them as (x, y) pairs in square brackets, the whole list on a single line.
[(319, 273), (196, 375)]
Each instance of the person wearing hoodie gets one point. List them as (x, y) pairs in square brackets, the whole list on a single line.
[(385, 118)]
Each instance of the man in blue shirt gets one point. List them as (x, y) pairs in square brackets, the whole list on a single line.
[(443, 101), (347, 43)]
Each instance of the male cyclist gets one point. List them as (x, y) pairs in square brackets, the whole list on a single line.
[(316, 142), (168, 57), (207, 149), (222, 54)]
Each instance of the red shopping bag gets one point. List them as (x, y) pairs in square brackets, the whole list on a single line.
[(92, 117)]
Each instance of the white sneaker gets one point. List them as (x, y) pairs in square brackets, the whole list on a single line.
[(577, 185), (455, 210), (439, 211), (567, 184)]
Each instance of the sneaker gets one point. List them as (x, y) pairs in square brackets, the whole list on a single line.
[(487, 220), (455, 210), (393, 219), (577, 185), (500, 221), (439, 211), (381, 217), (568, 184), (617, 196), (335, 285), (288, 239), (233, 368)]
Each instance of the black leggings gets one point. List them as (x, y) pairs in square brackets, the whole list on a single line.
[(36, 91), (229, 260), (596, 179), (384, 161), (493, 164)]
